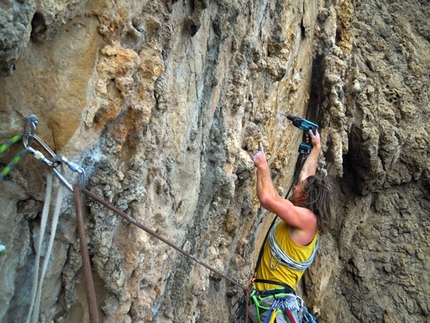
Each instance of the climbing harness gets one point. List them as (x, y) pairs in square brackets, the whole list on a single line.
[(280, 304), (282, 258), (53, 161)]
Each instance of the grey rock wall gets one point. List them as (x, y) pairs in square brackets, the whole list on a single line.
[(381, 237)]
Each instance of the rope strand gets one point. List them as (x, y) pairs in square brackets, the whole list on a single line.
[(89, 283), (283, 258), (54, 223), (43, 223), (9, 143), (15, 159)]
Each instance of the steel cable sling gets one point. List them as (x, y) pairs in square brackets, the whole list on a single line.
[(53, 162)]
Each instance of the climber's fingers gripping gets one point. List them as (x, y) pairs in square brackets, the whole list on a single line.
[(259, 156)]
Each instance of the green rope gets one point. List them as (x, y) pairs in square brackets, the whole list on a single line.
[(15, 159), (9, 143)]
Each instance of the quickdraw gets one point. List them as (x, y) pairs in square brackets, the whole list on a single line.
[(55, 161), (268, 304)]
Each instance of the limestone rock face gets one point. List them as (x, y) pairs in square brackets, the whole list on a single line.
[(158, 102)]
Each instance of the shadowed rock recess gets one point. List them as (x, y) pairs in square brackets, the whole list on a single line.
[(158, 102)]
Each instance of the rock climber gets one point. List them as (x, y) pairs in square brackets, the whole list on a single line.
[(293, 239)]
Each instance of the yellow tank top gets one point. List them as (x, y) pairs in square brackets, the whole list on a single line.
[(282, 273)]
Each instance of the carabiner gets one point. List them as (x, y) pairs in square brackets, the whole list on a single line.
[(29, 130), (29, 135), (54, 161), (73, 167)]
